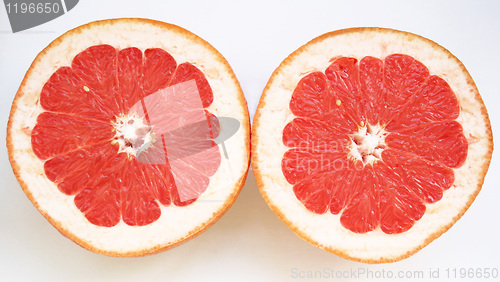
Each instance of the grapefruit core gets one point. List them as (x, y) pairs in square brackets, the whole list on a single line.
[(379, 143), (114, 135)]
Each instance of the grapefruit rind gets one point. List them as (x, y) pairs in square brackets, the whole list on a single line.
[(325, 230), (176, 224)]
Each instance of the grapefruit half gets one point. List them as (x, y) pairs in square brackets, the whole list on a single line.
[(119, 135), (370, 143)]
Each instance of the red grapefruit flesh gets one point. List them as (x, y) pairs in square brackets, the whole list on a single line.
[(427, 144), (116, 148), (116, 80), (380, 147)]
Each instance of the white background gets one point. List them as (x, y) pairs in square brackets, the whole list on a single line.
[(249, 243)]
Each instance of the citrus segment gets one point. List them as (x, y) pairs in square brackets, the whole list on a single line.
[(313, 98), (64, 89), (343, 76), (96, 68), (399, 207), (435, 101), (403, 77), (314, 192), (426, 180), (186, 72), (56, 134), (382, 140), (129, 72), (442, 142), (361, 214), (138, 204), (158, 66), (371, 82), (72, 171), (101, 202), (300, 163), (314, 135)]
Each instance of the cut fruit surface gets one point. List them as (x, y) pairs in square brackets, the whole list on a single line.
[(416, 154), (113, 135), (379, 142)]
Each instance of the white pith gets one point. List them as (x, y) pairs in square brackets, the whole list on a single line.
[(368, 143), (133, 134), (175, 223), (325, 230)]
